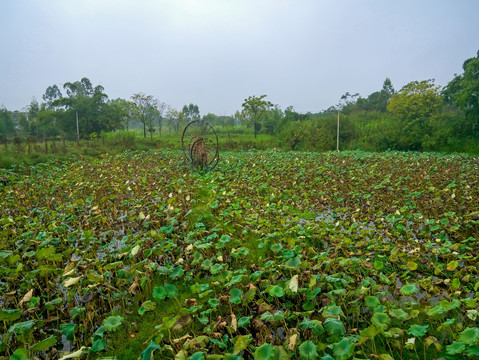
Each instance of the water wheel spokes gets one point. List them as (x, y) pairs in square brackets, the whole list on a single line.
[(200, 145)]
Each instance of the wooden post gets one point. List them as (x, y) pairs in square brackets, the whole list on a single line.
[(337, 135), (78, 129)]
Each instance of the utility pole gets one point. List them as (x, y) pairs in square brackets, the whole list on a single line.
[(78, 129), (337, 135)]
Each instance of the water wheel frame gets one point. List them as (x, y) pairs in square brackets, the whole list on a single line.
[(200, 145)]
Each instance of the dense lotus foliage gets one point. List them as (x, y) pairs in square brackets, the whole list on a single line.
[(273, 255)]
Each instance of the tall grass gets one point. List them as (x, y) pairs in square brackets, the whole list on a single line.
[(232, 138)]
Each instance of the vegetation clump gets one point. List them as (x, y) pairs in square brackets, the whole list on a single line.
[(272, 255)]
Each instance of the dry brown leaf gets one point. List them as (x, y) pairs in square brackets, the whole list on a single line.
[(190, 302), (181, 339), (234, 322), (134, 287), (26, 298), (292, 342)]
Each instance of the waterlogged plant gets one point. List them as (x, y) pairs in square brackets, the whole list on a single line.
[(274, 255)]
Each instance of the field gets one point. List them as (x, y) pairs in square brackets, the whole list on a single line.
[(273, 255)]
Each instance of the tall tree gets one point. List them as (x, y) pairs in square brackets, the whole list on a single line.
[(415, 106), (51, 94), (123, 110), (378, 100), (161, 107), (146, 110), (7, 125), (254, 108), (174, 118), (85, 104), (463, 91), (191, 112)]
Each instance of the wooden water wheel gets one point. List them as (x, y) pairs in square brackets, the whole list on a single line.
[(200, 145)]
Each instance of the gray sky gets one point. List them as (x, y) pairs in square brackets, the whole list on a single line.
[(215, 53)]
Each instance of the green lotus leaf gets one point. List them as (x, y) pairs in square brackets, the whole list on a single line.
[(452, 265), (418, 330), (147, 353), (276, 247), (68, 330), (8, 315), (385, 357), (256, 275), (216, 268), (77, 311), (224, 239), (454, 304), (334, 326), (98, 345), (315, 325), (146, 307), (343, 349), (235, 280), (456, 283), (171, 291), (235, 296), (112, 323), (276, 291), (469, 336), (372, 302), (181, 355), (20, 354), (241, 342), (199, 355), (265, 352), (176, 272), (472, 351), (308, 350), (455, 348), (399, 314), (385, 279), (446, 324), (218, 343), (332, 310), (214, 302), (53, 303), (240, 252), (244, 321), (326, 357), (378, 265), (277, 316), (436, 310), (45, 344), (394, 332), (21, 327), (409, 289), (98, 334), (381, 321), (369, 332), (203, 287), (292, 263), (159, 293)]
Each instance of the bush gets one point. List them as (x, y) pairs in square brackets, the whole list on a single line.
[(122, 138)]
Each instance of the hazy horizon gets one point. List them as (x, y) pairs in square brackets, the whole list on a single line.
[(216, 53)]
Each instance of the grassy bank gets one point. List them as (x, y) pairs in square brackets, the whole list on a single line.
[(21, 153)]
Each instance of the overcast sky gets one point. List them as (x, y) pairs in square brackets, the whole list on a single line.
[(215, 53)]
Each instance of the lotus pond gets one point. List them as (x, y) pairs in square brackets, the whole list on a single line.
[(273, 255)]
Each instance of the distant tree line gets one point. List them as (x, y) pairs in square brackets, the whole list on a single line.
[(82, 111), (421, 116)]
